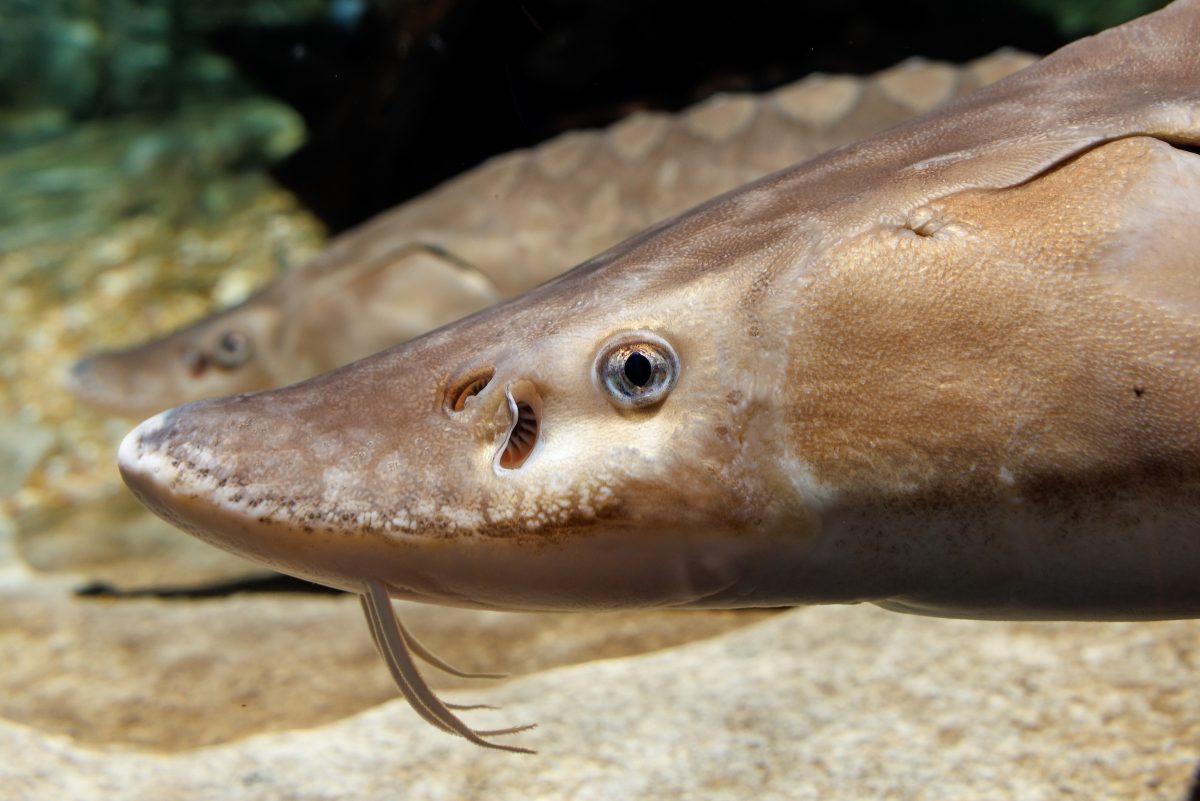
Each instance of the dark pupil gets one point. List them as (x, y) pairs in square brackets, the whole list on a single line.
[(638, 369), (231, 343)]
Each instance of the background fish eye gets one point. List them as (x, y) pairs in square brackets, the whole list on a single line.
[(232, 349)]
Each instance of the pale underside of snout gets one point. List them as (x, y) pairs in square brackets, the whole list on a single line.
[(600, 563)]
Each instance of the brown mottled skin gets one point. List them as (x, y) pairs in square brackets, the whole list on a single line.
[(507, 226), (951, 369)]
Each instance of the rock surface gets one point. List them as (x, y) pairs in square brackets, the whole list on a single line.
[(116, 542), (825, 703), (183, 673), (22, 447)]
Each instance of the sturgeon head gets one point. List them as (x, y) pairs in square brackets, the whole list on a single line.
[(365, 293), (229, 351), (544, 435), (953, 369)]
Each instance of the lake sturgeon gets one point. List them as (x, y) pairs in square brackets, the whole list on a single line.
[(953, 369)]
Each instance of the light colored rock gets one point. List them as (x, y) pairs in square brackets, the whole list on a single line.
[(118, 542), (828, 703), (11, 568), (22, 447), (182, 673)]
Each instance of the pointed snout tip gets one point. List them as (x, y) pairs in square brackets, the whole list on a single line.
[(78, 370), (78, 378), (139, 456), (99, 381)]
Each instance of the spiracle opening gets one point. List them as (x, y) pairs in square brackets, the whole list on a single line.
[(462, 391)]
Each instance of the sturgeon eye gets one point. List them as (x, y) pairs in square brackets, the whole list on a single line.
[(232, 350), (638, 373)]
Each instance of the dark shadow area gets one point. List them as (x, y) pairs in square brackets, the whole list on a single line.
[(274, 584), (412, 93)]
